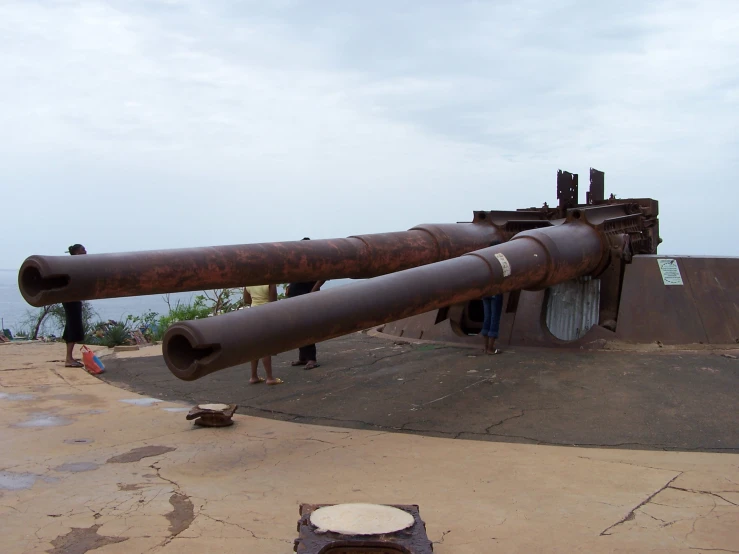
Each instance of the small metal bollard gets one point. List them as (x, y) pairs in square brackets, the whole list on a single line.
[(212, 415)]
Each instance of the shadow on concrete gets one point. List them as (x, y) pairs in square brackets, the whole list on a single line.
[(658, 400)]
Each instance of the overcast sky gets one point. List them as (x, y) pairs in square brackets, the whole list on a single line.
[(133, 125)]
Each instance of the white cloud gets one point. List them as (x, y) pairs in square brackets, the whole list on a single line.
[(131, 125)]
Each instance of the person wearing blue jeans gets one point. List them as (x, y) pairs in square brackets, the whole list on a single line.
[(492, 308)]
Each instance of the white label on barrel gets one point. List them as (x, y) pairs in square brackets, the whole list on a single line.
[(670, 272), (504, 264)]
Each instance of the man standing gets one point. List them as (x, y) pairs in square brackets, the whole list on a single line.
[(74, 330), (307, 353)]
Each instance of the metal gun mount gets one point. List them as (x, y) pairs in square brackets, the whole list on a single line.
[(407, 273)]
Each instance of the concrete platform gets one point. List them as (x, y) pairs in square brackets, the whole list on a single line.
[(91, 467)]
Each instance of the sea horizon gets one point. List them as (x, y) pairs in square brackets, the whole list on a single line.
[(15, 311)]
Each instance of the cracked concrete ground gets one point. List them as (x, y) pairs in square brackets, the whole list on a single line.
[(100, 473), (672, 400)]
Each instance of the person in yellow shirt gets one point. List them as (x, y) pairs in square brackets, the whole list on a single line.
[(256, 296)]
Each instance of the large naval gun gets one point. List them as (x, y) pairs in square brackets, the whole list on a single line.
[(423, 283)]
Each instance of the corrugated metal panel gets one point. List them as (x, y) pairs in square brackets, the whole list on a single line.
[(573, 307)]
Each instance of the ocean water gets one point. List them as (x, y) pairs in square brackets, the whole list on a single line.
[(14, 311)]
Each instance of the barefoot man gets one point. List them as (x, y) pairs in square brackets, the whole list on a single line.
[(256, 296)]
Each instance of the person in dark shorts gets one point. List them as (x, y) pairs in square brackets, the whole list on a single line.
[(307, 353), (74, 330)]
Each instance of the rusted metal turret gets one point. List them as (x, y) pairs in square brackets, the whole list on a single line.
[(589, 240), (411, 272)]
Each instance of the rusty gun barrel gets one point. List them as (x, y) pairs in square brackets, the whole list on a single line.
[(47, 280), (531, 260)]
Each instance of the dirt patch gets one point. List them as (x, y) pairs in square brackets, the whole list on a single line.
[(139, 454), (79, 541), (182, 514)]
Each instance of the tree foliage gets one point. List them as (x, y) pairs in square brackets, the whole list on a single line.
[(50, 320)]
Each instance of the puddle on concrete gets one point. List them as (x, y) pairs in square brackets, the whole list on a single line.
[(45, 420), (78, 441), (139, 453), (77, 467), (176, 410), (10, 481), (15, 396), (141, 401)]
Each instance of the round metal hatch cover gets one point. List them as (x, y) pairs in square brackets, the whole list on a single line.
[(361, 519)]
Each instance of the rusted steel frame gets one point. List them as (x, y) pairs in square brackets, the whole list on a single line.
[(50, 279), (537, 259)]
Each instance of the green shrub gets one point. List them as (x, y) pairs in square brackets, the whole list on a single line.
[(116, 335), (153, 325), (182, 311), (50, 320)]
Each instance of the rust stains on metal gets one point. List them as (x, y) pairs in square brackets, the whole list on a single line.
[(50, 279), (412, 272), (531, 260), (44, 280), (567, 189)]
